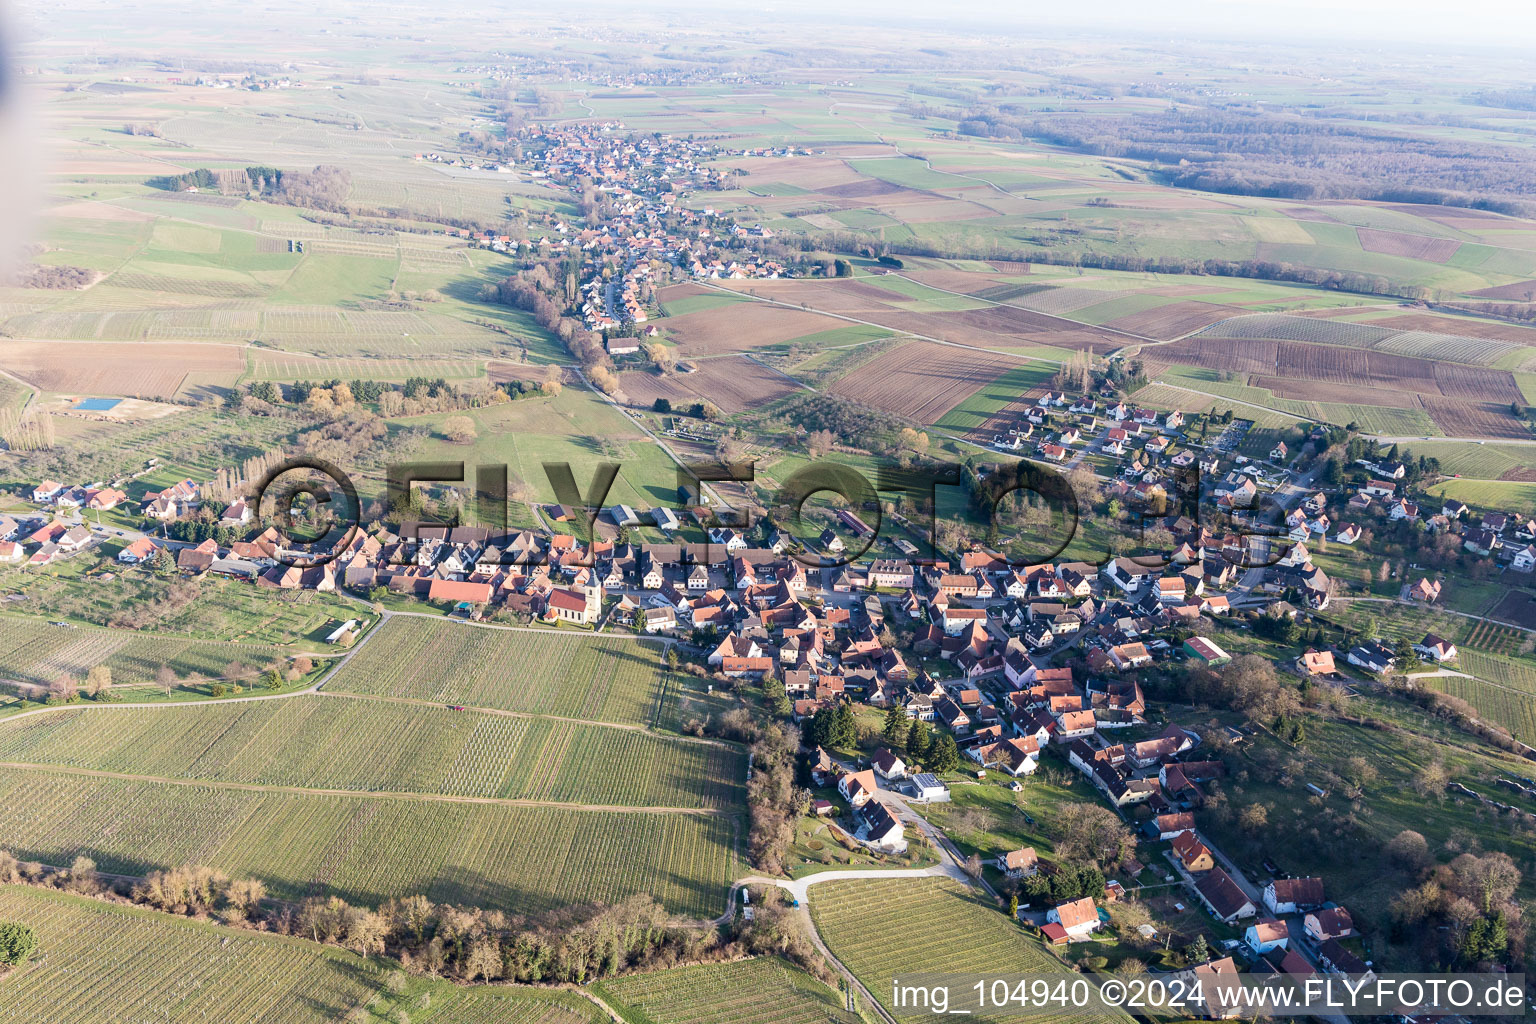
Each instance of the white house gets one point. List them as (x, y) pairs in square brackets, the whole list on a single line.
[(1525, 559), (1018, 863), (1079, 918), (1292, 895), (888, 766), (1263, 936), (879, 829), (926, 788)]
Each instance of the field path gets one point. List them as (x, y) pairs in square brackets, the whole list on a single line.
[(477, 709)]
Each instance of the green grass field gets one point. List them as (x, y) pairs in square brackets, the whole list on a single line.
[(367, 849), (1489, 494), (361, 745), (220, 610), (762, 990), (596, 679), (995, 396), (698, 303), (33, 651)]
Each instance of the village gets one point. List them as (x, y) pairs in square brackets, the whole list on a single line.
[(630, 186), (1012, 664)]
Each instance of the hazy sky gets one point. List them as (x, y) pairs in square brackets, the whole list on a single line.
[(1500, 23)]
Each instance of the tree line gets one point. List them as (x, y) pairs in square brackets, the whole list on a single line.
[(572, 945)]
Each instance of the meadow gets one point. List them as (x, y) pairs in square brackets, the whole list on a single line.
[(220, 610), (366, 849), (596, 679), (34, 651)]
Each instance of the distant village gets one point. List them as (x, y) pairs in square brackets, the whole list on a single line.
[(638, 180)]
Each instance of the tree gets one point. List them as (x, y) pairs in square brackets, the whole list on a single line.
[(1092, 835), (1431, 779), (1489, 881), (1199, 951), (98, 682), (776, 698), (1409, 849), (460, 429), (82, 876), (917, 741), (63, 689), (18, 943), (165, 678), (845, 726), (944, 756), (895, 731)]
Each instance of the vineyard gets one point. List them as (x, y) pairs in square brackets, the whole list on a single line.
[(517, 1006), (104, 963), (1499, 705), (763, 990), (318, 742), (1422, 344), (885, 929), (367, 849), (1517, 675), (1488, 636), (598, 679), (33, 651)]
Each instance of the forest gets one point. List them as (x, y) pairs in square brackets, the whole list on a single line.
[(1284, 156)]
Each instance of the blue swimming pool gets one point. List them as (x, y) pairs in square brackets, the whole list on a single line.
[(97, 404)]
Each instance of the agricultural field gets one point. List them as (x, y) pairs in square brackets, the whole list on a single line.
[(33, 651), (504, 1005), (762, 990), (1500, 687), (1511, 709), (103, 962), (742, 327), (887, 929), (366, 849), (141, 369), (364, 745), (732, 383), (925, 381), (998, 404), (595, 679), (96, 957), (1481, 351)]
